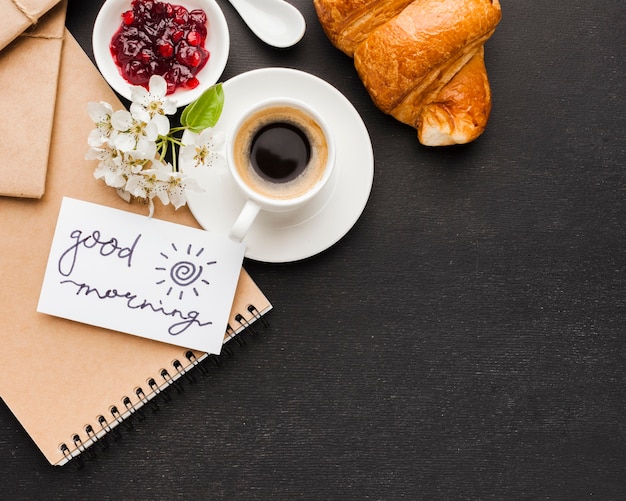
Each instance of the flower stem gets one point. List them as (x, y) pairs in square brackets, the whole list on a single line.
[(163, 146)]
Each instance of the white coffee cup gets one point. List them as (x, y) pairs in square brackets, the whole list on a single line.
[(281, 153)]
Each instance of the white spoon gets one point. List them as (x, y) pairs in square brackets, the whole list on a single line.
[(276, 22)]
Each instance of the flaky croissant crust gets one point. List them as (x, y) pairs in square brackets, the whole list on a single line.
[(407, 53)]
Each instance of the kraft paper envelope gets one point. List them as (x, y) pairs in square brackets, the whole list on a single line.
[(29, 69), (59, 376), (19, 15)]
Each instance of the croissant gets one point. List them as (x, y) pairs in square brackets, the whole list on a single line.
[(421, 61)]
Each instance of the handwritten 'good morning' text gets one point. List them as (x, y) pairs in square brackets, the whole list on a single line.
[(112, 248), (105, 247), (187, 320)]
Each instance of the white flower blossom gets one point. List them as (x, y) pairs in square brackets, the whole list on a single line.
[(145, 184), (177, 187), (109, 168), (152, 105), (206, 150), (100, 113), (132, 134), (129, 145)]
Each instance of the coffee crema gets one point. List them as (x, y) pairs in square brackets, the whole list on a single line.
[(280, 152)]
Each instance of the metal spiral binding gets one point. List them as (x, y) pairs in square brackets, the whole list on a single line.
[(102, 441), (134, 411), (111, 432), (111, 427), (195, 363), (157, 391), (152, 403), (257, 316), (182, 373)]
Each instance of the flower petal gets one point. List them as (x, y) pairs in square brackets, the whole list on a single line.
[(99, 112), (124, 195), (122, 120), (96, 138), (124, 142), (162, 124), (139, 112), (138, 94), (158, 86)]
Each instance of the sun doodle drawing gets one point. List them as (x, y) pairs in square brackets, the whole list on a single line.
[(184, 271)]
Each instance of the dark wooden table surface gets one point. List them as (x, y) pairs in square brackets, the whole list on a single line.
[(465, 340)]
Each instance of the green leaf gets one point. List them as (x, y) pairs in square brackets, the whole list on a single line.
[(205, 111)]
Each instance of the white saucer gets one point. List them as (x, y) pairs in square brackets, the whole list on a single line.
[(281, 238)]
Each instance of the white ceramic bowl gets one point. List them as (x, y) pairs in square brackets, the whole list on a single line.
[(217, 43)]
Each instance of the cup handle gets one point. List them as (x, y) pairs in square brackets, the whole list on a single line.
[(244, 221)]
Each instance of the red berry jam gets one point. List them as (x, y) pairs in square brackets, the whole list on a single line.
[(159, 38)]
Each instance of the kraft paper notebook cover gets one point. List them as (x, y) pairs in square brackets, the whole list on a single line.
[(29, 69), (59, 376)]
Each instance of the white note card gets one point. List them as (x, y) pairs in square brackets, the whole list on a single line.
[(142, 276)]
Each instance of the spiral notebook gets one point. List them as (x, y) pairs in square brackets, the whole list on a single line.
[(70, 384)]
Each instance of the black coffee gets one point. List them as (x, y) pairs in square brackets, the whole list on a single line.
[(280, 152)]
